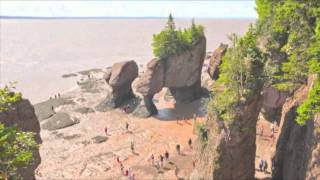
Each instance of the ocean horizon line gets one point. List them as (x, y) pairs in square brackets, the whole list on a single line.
[(113, 17)]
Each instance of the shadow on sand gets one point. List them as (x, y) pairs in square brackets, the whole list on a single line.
[(181, 112)]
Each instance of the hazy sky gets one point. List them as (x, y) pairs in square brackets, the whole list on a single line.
[(198, 9)]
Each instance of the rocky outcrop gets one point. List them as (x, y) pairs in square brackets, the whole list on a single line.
[(215, 61), (272, 103), (230, 150), (181, 73), (297, 150), (120, 79), (22, 115)]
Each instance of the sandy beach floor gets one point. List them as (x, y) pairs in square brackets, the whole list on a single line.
[(84, 151)]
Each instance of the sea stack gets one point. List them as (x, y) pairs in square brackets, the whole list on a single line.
[(181, 73)]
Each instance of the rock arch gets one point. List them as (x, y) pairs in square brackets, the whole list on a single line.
[(181, 73)]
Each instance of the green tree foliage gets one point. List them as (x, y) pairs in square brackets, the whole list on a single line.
[(240, 76), (293, 28), (310, 106), (16, 146), (8, 97), (171, 41)]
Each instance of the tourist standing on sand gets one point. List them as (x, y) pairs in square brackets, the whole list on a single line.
[(261, 165), (132, 147), (178, 148), (190, 143), (106, 131), (152, 159), (161, 161), (127, 126), (166, 155), (265, 167), (261, 130)]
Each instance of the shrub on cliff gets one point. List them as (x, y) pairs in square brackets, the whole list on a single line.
[(171, 41), (240, 76), (294, 30), (8, 97), (16, 146)]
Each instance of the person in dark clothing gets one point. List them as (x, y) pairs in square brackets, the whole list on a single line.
[(161, 160), (132, 147), (265, 167), (166, 155), (178, 148), (190, 143), (261, 165), (106, 131), (127, 126)]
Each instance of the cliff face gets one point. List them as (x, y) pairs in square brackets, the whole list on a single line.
[(181, 73), (23, 116), (230, 152), (297, 150)]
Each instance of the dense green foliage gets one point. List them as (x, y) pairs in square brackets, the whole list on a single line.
[(16, 146), (294, 31), (171, 41), (240, 76), (16, 149), (285, 40), (310, 106), (8, 97)]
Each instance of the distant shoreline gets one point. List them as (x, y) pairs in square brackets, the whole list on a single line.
[(149, 17)]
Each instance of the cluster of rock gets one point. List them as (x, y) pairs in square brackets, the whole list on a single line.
[(181, 73)]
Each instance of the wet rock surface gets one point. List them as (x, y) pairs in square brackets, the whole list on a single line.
[(58, 121)]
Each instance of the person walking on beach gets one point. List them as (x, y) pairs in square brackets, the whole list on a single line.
[(265, 167), (161, 161), (261, 130), (166, 155), (152, 159), (106, 131), (127, 126), (121, 168), (261, 165), (178, 148), (118, 160), (190, 143), (132, 146)]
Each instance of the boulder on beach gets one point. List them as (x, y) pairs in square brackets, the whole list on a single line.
[(215, 61), (58, 121), (180, 73), (120, 80), (44, 110)]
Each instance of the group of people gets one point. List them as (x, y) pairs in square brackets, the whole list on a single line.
[(263, 166), (56, 96), (160, 163)]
